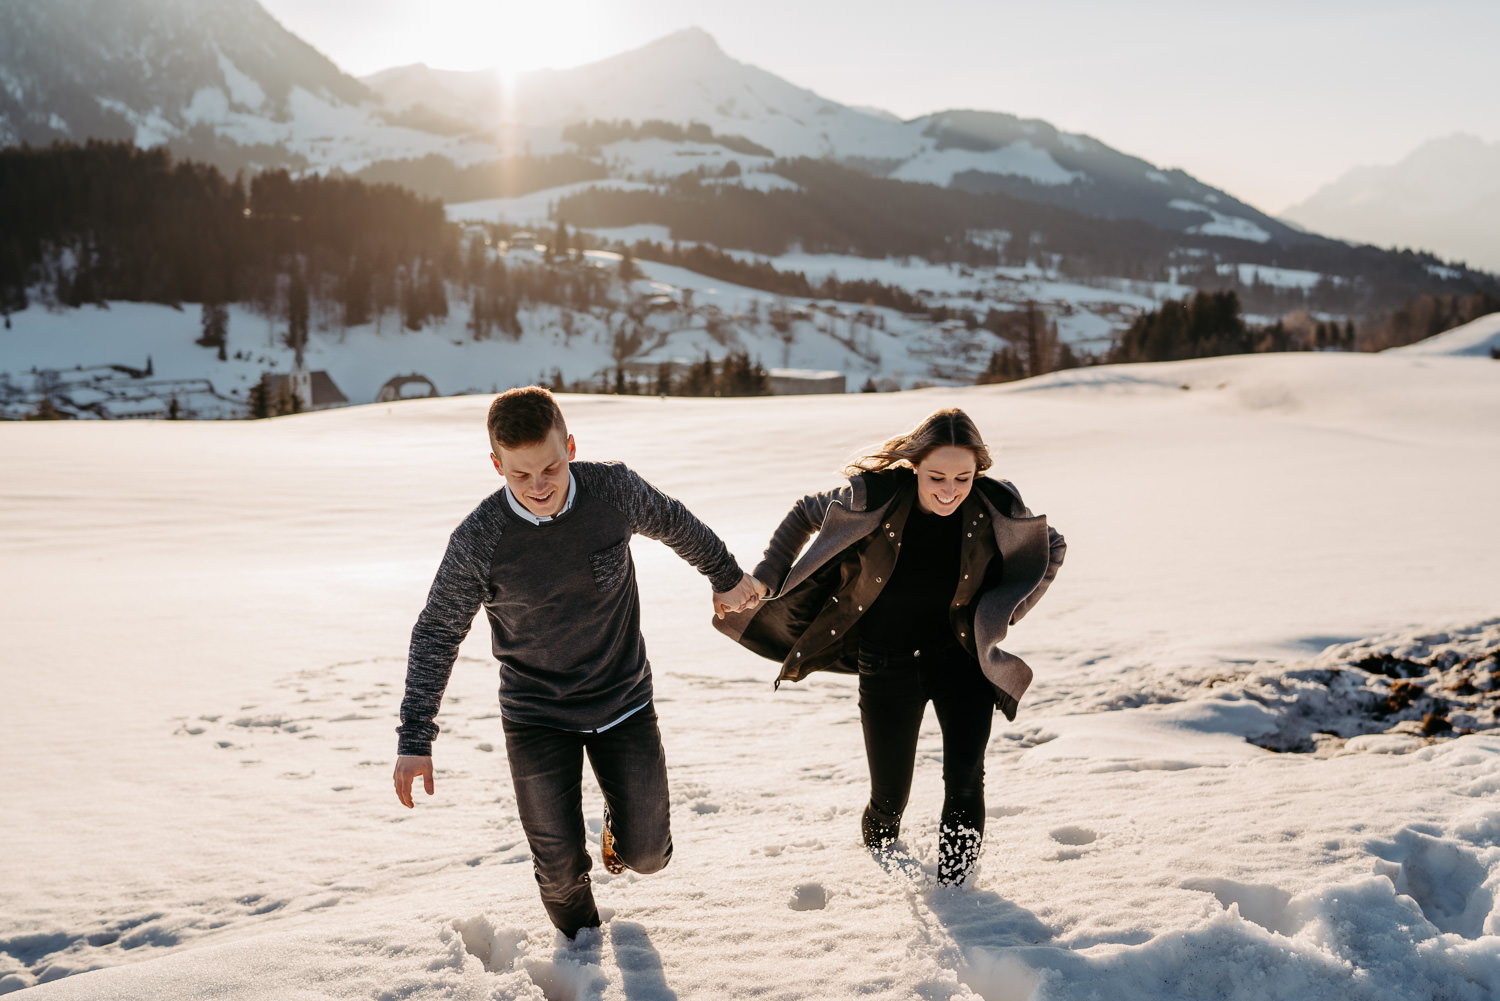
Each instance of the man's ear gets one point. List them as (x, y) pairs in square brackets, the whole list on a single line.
[(496, 460), (572, 448)]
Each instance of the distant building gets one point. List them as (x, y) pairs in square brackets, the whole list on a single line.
[(804, 382), (407, 387), (316, 390)]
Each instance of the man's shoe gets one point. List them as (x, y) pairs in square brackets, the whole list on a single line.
[(612, 863)]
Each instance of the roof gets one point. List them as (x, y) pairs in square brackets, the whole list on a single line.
[(324, 392), (803, 373)]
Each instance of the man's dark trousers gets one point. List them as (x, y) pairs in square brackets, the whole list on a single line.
[(546, 765)]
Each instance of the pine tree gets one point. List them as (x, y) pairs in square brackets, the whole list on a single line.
[(297, 314), (260, 401), (215, 325)]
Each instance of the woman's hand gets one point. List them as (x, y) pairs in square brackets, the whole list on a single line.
[(744, 595)]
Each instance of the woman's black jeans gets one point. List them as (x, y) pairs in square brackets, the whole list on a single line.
[(546, 766), (893, 695)]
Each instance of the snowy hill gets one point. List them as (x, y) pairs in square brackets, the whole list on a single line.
[(66, 355), (1444, 197), (205, 807), (1478, 338), (221, 80)]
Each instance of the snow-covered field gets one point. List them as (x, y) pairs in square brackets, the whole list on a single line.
[(1477, 338), (204, 635)]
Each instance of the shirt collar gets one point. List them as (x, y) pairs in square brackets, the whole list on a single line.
[(520, 509)]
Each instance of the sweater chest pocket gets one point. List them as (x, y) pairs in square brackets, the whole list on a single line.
[(611, 565)]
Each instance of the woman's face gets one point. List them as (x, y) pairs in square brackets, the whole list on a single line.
[(944, 478)]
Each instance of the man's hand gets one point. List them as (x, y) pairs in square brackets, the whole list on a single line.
[(744, 595), (408, 767)]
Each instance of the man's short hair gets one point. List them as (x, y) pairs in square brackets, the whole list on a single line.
[(525, 416)]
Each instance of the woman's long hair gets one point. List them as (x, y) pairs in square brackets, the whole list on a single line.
[(945, 427)]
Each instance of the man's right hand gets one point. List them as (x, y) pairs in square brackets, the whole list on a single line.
[(408, 767)]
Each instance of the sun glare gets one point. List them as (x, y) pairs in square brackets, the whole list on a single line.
[(516, 38)]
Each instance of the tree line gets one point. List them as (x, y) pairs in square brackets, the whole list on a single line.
[(762, 275), (103, 221), (841, 209), (590, 136), (733, 375), (107, 221)]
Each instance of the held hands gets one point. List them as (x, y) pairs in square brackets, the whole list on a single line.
[(743, 596), (408, 767)]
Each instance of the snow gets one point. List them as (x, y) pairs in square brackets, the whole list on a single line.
[(208, 105), (1234, 227), (1018, 159), (532, 209), (1251, 274), (761, 180), (205, 635), (243, 89), (1476, 338)]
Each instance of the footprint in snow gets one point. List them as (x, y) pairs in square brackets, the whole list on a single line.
[(808, 897), (1072, 835)]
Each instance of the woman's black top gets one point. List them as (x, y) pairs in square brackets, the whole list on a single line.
[(911, 612)]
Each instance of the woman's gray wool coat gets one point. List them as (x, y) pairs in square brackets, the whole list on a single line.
[(1009, 558)]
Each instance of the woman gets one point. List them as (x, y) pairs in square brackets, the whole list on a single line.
[(919, 567)]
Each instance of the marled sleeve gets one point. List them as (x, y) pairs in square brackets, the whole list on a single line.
[(457, 592), (655, 515)]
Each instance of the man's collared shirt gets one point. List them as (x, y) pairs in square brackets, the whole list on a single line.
[(520, 509)]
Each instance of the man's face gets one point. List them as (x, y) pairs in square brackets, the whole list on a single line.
[(537, 474)]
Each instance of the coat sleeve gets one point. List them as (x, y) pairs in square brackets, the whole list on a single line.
[(1057, 549), (787, 542)]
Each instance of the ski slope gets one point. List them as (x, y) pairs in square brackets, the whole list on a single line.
[(205, 626)]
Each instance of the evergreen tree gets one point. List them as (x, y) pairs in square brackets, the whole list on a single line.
[(260, 401), (297, 314), (215, 326)]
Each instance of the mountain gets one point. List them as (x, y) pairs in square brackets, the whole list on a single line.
[(220, 80), (686, 77), (1443, 197)]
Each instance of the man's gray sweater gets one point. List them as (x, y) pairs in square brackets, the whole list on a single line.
[(562, 603)]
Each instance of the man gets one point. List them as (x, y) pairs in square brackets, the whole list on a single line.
[(548, 557)]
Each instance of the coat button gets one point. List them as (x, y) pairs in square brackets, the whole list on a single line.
[(833, 632), (966, 576), (971, 535), (960, 635), (880, 580), (861, 608), (887, 524), (799, 653), (893, 535)]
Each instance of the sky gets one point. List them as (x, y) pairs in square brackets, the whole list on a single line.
[(1269, 101)]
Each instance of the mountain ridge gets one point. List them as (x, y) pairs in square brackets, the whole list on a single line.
[(1444, 195)]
